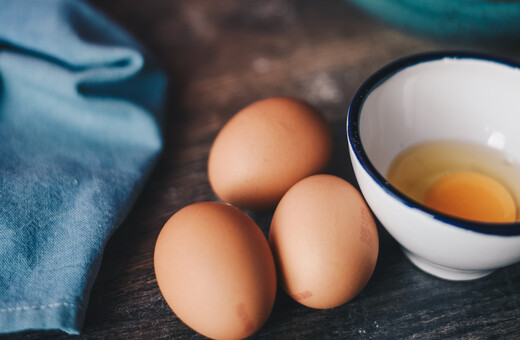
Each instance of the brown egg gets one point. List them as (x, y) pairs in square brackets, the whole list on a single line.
[(265, 149), (215, 270), (324, 241)]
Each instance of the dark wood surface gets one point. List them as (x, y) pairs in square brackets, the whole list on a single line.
[(221, 56)]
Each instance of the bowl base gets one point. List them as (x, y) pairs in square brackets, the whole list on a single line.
[(444, 272)]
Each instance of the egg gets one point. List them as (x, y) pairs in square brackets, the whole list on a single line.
[(215, 270), (324, 241), (473, 196), (265, 149), (459, 178)]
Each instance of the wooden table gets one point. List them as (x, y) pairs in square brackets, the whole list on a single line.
[(221, 56)]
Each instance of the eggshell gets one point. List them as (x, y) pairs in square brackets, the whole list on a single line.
[(215, 270), (324, 241), (265, 149)]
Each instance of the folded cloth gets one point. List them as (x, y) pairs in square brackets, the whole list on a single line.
[(80, 107)]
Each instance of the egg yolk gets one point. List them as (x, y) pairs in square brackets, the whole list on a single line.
[(471, 196)]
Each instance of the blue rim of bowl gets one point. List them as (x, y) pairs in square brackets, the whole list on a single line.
[(354, 112)]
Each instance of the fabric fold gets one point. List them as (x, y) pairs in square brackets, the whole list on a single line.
[(80, 110)]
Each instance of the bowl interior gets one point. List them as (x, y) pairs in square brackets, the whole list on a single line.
[(464, 99)]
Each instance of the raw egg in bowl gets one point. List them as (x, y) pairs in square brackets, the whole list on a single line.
[(435, 146)]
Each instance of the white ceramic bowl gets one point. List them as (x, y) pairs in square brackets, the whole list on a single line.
[(432, 96)]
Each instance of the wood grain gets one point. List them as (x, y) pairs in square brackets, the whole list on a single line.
[(221, 56)]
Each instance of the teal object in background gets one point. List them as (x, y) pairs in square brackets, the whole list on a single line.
[(80, 111), (474, 21)]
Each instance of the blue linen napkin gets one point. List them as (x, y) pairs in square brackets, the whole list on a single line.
[(80, 107)]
